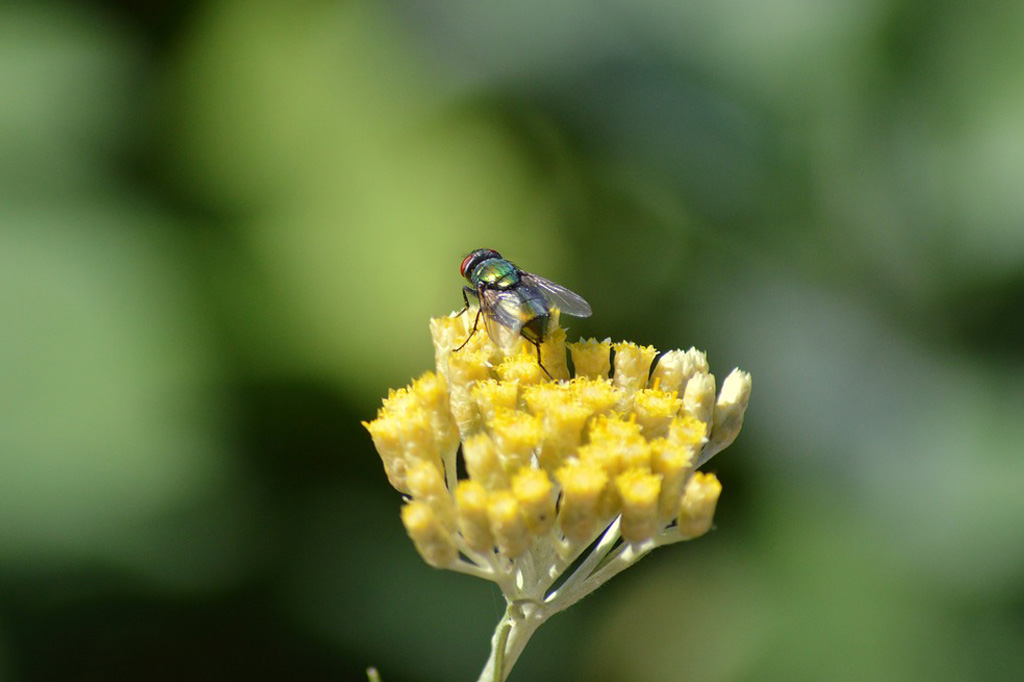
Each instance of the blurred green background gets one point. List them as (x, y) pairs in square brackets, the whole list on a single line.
[(224, 225)]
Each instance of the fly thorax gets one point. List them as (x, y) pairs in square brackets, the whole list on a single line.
[(496, 274)]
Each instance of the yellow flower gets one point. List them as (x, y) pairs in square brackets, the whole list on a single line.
[(600, 463)]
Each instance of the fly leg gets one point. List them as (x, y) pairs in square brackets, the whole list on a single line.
[(466, 293), (537, 345)]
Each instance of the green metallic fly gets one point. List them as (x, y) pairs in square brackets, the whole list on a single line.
[(514, 302)]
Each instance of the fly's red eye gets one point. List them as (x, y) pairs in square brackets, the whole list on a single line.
[(465, 263)]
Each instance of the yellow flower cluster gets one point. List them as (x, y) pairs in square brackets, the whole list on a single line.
[(549, 466)]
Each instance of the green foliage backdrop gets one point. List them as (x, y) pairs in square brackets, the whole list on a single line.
[(224, 225)]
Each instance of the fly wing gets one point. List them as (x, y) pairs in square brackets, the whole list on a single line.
[(503, 316), (566, 301)]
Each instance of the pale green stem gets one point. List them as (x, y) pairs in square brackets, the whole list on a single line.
[(621, 559), (583, 571), (512, 633), (460, 566), (523, 616)]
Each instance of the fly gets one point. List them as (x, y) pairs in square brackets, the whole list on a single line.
[(514, 302)]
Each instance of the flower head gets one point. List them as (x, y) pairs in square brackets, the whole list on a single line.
[(600, 462)]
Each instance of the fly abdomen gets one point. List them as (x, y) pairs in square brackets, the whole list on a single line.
[(537, 329)]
